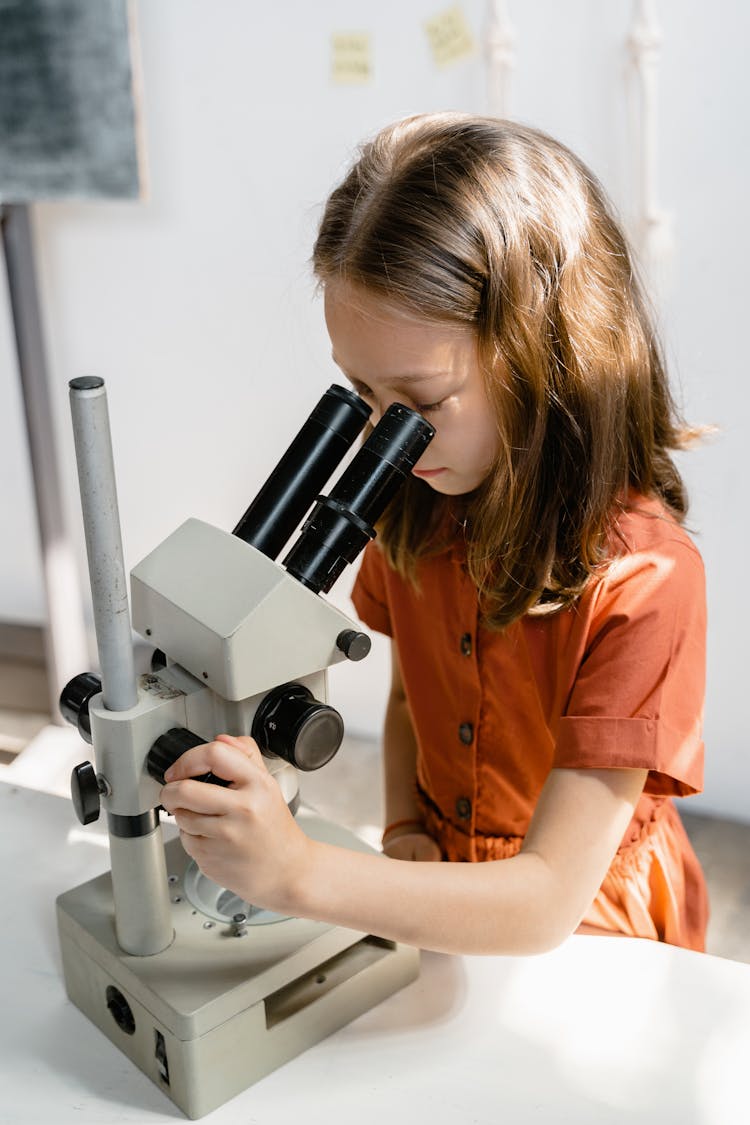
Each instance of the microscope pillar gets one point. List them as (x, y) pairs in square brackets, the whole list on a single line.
[(139, 871)]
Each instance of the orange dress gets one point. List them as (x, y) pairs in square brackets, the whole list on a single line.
[(615, 681)]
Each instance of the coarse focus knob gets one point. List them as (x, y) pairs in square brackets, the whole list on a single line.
[(85, 790), (74, 702), (295, 726), (171, 746), (354, 645)]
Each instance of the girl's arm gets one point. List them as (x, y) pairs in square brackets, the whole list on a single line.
[(406, 838), (245, 838)]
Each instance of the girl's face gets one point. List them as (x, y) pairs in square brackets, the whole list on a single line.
[(390, 356)]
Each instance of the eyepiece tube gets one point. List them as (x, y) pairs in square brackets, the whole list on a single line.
[(316, 451), (341, 524)]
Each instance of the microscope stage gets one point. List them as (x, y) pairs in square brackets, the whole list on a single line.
[(224, 1004)]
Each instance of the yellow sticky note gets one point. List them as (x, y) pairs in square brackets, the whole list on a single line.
[(449, 36), (351, 58)]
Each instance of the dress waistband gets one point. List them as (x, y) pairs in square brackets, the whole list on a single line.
[(460, 847)]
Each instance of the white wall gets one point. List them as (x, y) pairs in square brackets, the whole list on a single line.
[(198, 309)]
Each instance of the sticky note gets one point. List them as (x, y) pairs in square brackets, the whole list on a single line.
[(351, 58), (449, 36)]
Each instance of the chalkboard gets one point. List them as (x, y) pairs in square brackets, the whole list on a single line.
[(67, 116)]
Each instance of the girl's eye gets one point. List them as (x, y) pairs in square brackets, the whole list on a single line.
[(429, 407)]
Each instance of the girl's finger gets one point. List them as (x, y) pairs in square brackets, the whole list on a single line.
[(227, 760), (247, 745), (208, 800), (197, 824)]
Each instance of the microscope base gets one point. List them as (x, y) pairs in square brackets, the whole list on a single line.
[(216, 1011)]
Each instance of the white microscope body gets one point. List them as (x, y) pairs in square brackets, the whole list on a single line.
[(204, 992)]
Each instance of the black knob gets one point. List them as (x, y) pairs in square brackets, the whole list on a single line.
[(171, 746), (85, 791), (354, 645), (295, 726), (121, 1011), (74, 702)]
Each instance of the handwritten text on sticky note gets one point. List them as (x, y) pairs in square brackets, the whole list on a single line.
[(351, 58), (449, 36)]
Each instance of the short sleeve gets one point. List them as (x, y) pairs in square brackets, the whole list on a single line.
[(637, 700), (370, 593)]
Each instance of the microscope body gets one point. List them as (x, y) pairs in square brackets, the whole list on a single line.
[(223, 1002), (204, 992)]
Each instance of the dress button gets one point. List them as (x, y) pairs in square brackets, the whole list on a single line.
[(463, 808), (466, 644), (466, 733)]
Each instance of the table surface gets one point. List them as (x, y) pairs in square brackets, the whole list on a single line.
[(601, 1030)]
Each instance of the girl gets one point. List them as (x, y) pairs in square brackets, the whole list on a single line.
[(547, 610)]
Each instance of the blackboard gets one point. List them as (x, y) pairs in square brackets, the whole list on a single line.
[(67, 114)]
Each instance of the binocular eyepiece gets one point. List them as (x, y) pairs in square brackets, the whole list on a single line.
[(342, 523)]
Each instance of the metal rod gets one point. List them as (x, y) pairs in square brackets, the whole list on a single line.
[(101, 521), (140, 889), (139, 876), (66, 646)]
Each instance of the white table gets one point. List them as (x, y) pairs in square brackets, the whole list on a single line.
[(602, 1030)]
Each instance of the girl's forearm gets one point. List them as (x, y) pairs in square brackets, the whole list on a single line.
[(522, 905), (245, 837), (509, 906)]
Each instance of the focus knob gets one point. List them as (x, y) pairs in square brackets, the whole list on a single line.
[(74, 702), (85, 790), (171, 746), (354, 645), (295, 726)]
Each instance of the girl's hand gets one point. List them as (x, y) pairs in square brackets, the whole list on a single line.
[(414, 845), (243, 837)]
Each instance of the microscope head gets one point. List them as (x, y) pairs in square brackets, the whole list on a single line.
[(229, 615)]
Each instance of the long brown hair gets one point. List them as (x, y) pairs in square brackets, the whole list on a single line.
[(486, 223)]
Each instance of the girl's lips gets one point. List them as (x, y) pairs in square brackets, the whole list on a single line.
[(427, 472)]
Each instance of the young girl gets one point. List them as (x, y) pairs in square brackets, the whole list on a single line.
[(547, 610)]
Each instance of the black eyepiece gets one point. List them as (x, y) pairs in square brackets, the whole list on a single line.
[(341, 524), (331, 430)]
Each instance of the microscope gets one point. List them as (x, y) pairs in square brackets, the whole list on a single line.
[(204, 992)]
